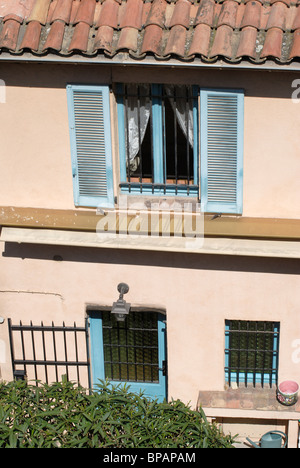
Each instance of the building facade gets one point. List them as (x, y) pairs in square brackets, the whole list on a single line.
[(177, 176)]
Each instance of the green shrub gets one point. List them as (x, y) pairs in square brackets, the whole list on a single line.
[(65, 415)]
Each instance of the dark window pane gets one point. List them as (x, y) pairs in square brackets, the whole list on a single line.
[(131, 347)]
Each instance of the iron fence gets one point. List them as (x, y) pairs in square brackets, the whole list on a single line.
[(47, 352)]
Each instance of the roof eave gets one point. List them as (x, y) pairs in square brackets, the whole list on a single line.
[(125, 59)]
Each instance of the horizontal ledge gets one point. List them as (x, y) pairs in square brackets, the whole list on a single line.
[(250, 413), (87, 220), (218, 246)]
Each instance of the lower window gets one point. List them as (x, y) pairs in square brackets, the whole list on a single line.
[(131, 352), (251, 352)]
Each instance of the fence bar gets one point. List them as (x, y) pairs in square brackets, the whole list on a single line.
[(44, 351)]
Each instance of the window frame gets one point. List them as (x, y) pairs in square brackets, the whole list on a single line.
[(151, 389), (158, 148), (255, 377)]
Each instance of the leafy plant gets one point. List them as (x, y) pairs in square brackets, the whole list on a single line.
[(67, 416)]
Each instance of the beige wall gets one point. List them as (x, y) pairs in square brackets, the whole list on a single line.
[(198, 293), (35, 150)]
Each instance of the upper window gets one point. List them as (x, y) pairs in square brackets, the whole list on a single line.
[(173, 140), (158, 135), (251, 352)]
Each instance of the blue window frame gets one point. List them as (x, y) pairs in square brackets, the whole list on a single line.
[(132, 352), (158, 139), (251, 352), (91, 151), (161, 149)]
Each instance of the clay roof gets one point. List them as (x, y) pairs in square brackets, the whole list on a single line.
[(206, 30)]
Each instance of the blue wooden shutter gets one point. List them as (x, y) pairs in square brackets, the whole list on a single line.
[(90, 132), (222, 127)]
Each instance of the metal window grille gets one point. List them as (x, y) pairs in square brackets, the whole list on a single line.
[(47, 352), (131, 347), (251, 352), (177, 165)]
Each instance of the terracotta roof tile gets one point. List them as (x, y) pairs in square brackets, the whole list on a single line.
[(85, 12), (74, 10), (55, 37), (222, 44), (31, 39), (186, 29), (152, 39), (157, 14), (228, 14), (264, 16), (252, 15), (201, 40), (104, 39), (277, 16), (9, 35), (128, 39), (181, 14), (133, 15), (39, 12), (80, 37), (290, 17), (51, 9), (108, 15), (176, 41), (247, 45), (273, 43), (62, 11), (205, 14)]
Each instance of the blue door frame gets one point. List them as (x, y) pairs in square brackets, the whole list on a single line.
[(155, 390)]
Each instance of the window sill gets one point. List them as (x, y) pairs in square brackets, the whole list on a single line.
[(144, 201), (250, 398)]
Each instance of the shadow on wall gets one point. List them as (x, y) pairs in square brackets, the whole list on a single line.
[(51, 76), (145, 258)]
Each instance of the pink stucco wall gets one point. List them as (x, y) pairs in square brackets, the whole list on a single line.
[(198, 292), (35, 149)]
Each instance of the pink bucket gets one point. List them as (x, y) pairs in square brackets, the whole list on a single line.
[(287, 392)]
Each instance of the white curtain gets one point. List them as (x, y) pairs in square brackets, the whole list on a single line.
[(138, 114), (184, 109)]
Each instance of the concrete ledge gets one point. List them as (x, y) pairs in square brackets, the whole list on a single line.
[(251, 404), (260, 399)]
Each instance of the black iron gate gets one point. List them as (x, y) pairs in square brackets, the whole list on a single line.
[(48, 352)]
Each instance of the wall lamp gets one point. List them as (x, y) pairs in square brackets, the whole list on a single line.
[(121, 308)]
